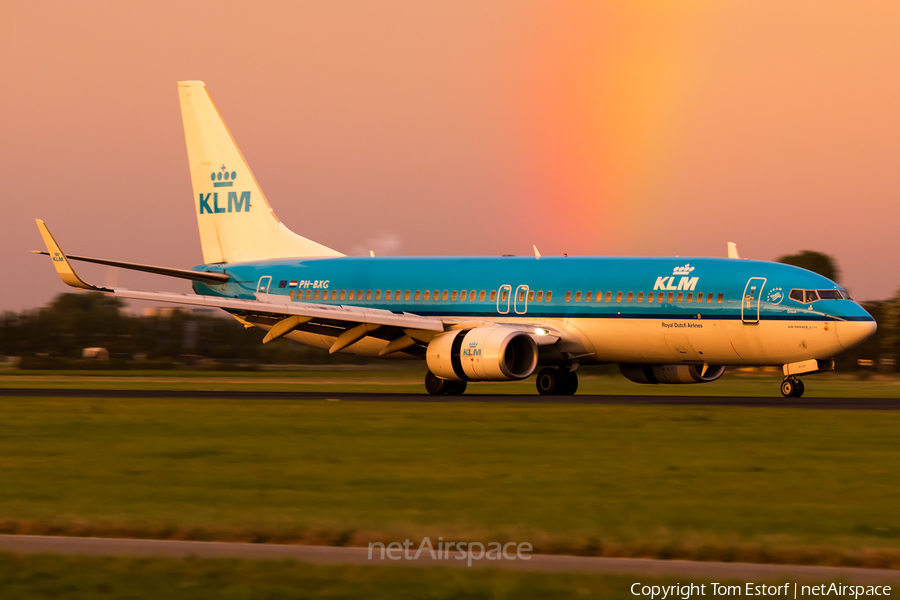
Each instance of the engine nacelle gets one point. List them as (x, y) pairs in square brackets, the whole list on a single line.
[(482, 354), (670, 373)]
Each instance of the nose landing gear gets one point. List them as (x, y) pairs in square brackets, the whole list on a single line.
[(791, 387)]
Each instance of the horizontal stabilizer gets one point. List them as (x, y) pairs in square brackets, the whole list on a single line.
[(211, 278)]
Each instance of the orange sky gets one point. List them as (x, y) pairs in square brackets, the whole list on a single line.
[(417, 128)]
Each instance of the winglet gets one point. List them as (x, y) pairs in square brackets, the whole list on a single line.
[(536, 253), (63, 267), (732, 250)]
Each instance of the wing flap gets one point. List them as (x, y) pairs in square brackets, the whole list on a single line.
[(353, 314)]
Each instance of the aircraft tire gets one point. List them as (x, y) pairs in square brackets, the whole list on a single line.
[(547, 381), (799, 391), (434, 385), (568, 384), (456, 388), (789, 388)]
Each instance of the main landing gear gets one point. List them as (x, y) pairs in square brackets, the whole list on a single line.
[(436, 386), (559, 382), (791, 387)]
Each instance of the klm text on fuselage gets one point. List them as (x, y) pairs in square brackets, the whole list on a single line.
[(235, 203)]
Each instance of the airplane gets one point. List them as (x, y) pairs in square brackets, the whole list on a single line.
[(473, 319)]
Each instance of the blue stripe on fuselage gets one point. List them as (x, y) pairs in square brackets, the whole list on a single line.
[(715, 276)]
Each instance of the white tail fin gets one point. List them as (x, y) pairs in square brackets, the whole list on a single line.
[(236, 222)]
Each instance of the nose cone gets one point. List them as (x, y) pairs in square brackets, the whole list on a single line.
[(853, 333)]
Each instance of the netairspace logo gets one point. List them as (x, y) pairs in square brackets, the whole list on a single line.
[(788, 590), (468, 551)]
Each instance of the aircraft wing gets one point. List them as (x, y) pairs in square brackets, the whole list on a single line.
[(280, 315)]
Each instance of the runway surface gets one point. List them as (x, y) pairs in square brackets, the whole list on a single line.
[(771, 402), (28, 544)]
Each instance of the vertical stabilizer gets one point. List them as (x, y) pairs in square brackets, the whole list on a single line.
[(235, 219)]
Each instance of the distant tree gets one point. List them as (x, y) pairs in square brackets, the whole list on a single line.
[(890, 331), (814, 261)]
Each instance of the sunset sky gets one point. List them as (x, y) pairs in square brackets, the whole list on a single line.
[(460, 128)]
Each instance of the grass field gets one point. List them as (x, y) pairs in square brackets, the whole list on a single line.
[(90, 578), (717, 483), (408, 378)]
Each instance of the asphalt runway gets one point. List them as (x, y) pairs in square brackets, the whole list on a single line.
[(769, 402), (32, 544)]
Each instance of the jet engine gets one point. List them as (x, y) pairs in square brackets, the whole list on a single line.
[(482, 354), (670, 373)]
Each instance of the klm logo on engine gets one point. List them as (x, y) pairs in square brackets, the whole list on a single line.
[(472, 350), (684, 283), (209, 203)]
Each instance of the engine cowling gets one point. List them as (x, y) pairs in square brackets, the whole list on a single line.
[(482, 354), (670, 373)]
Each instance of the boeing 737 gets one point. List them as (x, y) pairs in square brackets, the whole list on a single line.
[(662, 320)]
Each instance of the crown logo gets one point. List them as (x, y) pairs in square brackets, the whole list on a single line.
[(223, 178), (686, 269)]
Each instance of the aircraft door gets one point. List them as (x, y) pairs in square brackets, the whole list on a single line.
[(750, 302), (263, 286), (520, 304), (503, 298)]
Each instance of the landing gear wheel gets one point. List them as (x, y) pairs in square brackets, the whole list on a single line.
[(434, 385), (547, 381), (791, 388), (568, 383), (456, 388)]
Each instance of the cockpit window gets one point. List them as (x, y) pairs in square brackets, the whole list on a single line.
[(830, 295), (808, 296)]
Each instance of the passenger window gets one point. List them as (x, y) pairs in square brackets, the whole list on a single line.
[(618, 296), (463, 295), (387, 295), (709, 298), (343, 294), (630, 297), (378, 294), (316, 295), (608, 296), (472, 296), (481, 296), (599, 296), (291, 294), (587, 296), (549, 296), (368, 294), (640, 297), (577, 296), (530, 295), (669, 299), (406, 295), (568, 296), (398, 294), (493, 295), (334, 294), (445, 295), (719, 298), (418, 295), (540, 296), (660, 296), (437, 294), (352, 295), (680, 297), (690, 297), (453, 296), (503, 295)]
